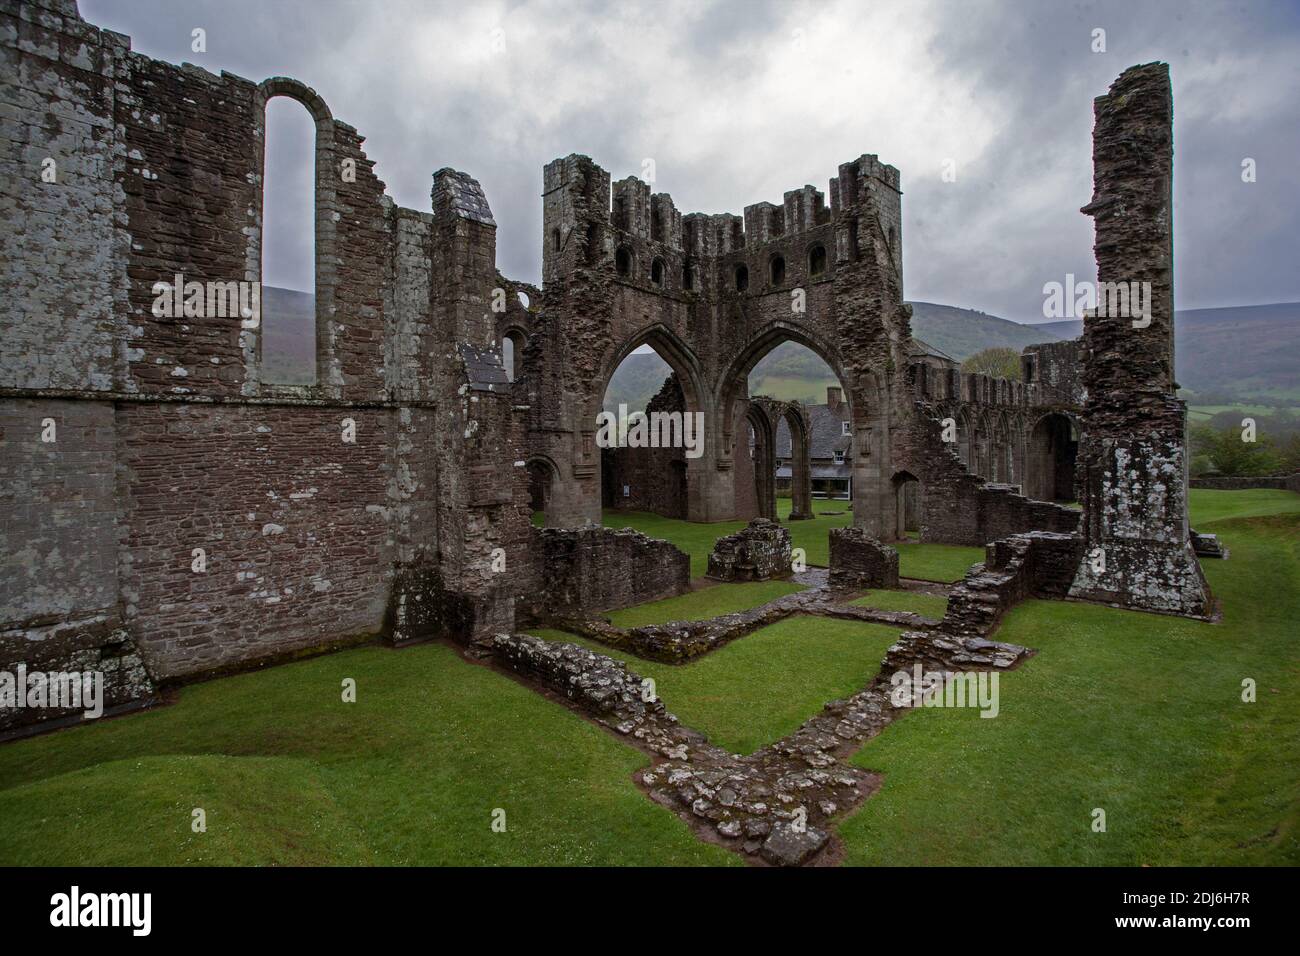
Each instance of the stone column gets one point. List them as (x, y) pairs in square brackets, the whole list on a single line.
[(1132, 455)]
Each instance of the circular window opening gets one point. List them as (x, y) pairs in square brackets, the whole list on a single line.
[(742, 278)]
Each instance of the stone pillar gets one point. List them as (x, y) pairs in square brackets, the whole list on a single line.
[(1132, 457)]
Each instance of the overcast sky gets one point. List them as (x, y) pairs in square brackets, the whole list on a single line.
[(739, 102)]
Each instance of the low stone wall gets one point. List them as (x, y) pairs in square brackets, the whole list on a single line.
[(97, 646), (1280, 482), (758, 552), (601, 569), (860, 561), (1037, 564)]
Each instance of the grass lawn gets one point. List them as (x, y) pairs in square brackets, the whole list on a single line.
[(761, 687), (288, 774), (1140, 715), (705, 603), (944, 563), (929, 605)]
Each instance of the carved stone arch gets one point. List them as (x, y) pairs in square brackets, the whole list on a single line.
[(762, 459), (697, 398), (869, 404), (908, 491), (543, 473), (1051, 450), (327, 174)]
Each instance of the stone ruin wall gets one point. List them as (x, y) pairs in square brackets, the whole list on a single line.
[(1132, 456), (311, 542), (167, 438)]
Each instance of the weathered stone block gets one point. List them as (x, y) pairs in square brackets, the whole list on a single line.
[(759, 552), (860, 561)]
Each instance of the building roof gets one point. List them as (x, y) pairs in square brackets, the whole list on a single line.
[(826, 433), (920, 348)]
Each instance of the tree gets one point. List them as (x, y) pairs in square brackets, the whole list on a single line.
[(1231, 456), (999, 361)]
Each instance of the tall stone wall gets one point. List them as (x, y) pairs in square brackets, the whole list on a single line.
[(1132, 456), (323, 512)]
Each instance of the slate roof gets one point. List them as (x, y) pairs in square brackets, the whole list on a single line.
[(826, 436), (483, 368)]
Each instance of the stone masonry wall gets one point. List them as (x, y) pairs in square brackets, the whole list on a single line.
[(600, 569), (758, 552), (860, 561), (1280, 482), (169, 438), (1132, 455)]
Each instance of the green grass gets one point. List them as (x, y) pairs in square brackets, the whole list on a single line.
[(944, 563), (1140, 715), (1209, 506), (929, 605), (288, 774), (705, 603), (761, 687), (1137, 714)]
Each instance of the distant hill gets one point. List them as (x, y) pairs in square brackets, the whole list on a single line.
[(1243, 351), (288, 342), (963, 332)]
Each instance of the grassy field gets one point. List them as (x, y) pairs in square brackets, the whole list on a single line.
[(1139, 715), (705, 603), (756, 690), (288, 774), (929, 605)]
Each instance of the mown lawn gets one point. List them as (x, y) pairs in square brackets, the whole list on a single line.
[(761, 687), (288, 774), (705, 603), (1139, 715), (929, 605)]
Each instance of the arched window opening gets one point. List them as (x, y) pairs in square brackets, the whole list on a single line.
[(817, 260), (742, 278), (288, 292), (555, 240), (816, 462), (777, 270), (623, 261), (541, 482), (512, 355), (657, 272), (644, 465), (688, 277)]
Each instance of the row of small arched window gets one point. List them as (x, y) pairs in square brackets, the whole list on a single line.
[(775, 267)]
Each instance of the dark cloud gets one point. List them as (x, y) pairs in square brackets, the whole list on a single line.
[(738, 102)]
